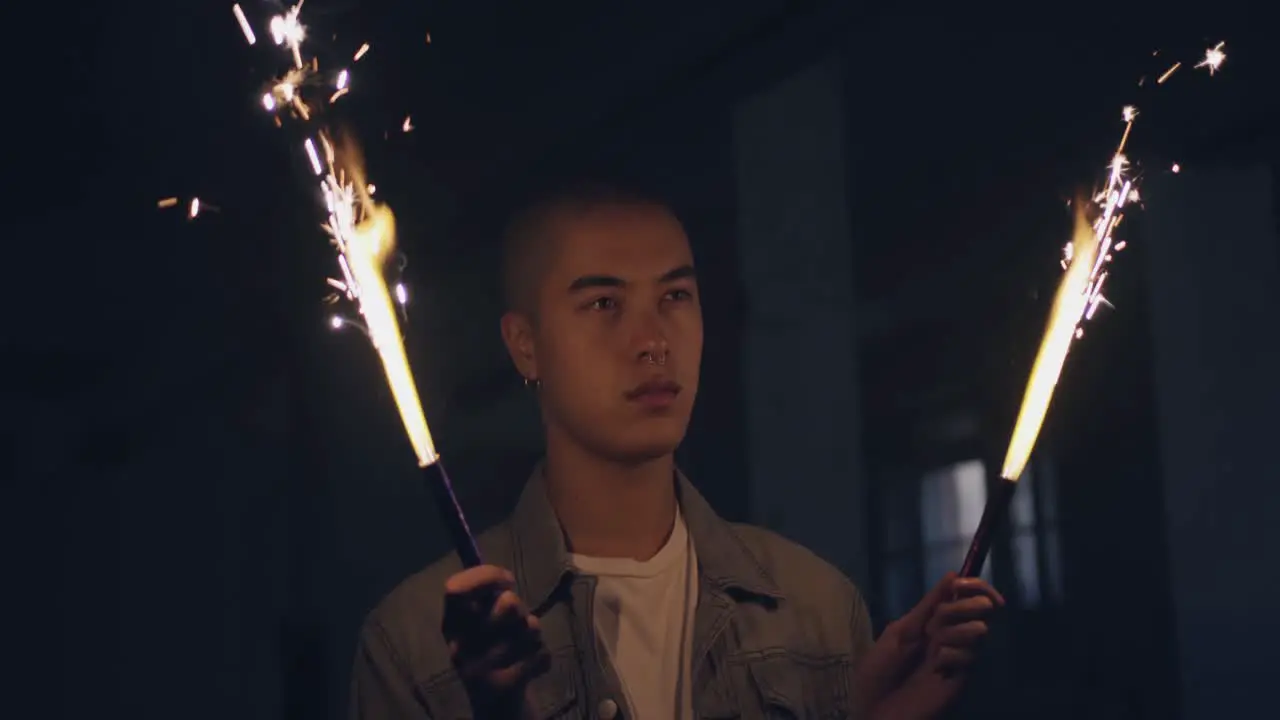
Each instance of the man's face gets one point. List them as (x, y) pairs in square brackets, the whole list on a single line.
[(618, 339)]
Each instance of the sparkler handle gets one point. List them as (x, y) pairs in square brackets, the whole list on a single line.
[(993, 516), (464, 543)]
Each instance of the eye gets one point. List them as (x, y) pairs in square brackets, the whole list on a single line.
[(679, 295), (603, 304)]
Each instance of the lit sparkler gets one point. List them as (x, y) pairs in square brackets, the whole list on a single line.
[(1085, 261), (363, 234)]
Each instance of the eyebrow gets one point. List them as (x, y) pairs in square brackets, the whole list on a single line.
[(587, 282), (681, 273), (608, 281)]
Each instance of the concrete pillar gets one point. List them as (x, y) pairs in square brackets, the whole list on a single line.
[(799, 353)]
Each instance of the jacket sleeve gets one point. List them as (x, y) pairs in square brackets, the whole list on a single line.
[(381, 684)]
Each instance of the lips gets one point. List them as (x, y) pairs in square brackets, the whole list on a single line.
[(654, 389)]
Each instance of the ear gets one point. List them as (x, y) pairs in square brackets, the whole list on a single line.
[(517, 335)]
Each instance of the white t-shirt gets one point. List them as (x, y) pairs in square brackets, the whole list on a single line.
[(644, 618)]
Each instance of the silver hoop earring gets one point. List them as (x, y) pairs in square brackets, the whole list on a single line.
[(532, 383)]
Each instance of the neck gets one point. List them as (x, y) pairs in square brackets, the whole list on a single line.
[(607, 508)]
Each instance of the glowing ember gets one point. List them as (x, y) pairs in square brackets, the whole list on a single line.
[(195, 206), (1213, 58), (244, 24)]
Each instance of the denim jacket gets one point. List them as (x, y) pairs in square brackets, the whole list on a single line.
[(777, 631)]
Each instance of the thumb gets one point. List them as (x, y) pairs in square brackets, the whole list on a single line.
[(912, 625)]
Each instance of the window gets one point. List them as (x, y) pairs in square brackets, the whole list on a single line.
[(951, 503), (1034, 547), (929, 522), (928, 525)]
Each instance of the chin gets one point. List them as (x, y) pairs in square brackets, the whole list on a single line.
[(639, 444), (626, 438), (648, 444), (636, 456)]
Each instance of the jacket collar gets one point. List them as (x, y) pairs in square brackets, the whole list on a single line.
[(542, 562)]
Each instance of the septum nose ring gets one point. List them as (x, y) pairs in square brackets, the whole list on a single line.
[(656, 358)]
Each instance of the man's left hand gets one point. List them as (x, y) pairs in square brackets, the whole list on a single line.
[(916, 668)]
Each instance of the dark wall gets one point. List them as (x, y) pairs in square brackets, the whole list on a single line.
[(1215, 305)]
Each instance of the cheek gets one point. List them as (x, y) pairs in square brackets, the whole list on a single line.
[(578, 360)]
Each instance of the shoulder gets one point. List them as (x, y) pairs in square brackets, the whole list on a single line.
[(810, 586), (407, 621), (792, 565)]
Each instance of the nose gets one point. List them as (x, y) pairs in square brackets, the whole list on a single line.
[(651, 342), (655, 352)]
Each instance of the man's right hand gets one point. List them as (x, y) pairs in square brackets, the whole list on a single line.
[(494, 641)]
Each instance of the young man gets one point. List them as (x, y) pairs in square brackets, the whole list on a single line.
[(625, 596)]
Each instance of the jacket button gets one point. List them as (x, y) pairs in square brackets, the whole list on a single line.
[(608, 709)]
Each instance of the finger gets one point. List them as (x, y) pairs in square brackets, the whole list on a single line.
[(507, 609), (521, 672), (493, 659), (970, 587), (965, 609), (912, 625), (476, 578), (508, 618), (520, 632), (470, 597), (950, 659), (482, 663), (495, 646), (964, 635), (959, 611)]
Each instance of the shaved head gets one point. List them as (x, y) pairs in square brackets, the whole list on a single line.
[(529, 240)]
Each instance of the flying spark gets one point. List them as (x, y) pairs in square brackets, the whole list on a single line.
[(287, 30), (1085, 260), (194, 207), (244, 24), (361, 231), (1168, 73), (1213, 58)]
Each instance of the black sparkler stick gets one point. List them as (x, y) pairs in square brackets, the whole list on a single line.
[(993, 517), (455, 522)]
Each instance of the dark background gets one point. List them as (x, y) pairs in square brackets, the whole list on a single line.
[(210, 488)]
